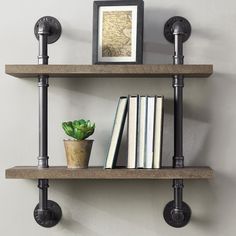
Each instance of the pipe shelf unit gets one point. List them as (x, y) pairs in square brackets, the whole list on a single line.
[(48, 30)]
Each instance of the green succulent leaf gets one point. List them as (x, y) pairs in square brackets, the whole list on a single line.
[(78, 134), (79, 129), (68, 128)]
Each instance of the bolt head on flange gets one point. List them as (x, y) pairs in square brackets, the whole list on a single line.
[(54, 28), (50, 217), (175, 217), (168, 28)]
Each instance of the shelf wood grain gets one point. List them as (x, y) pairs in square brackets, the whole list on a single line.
[(62, 172), (32, 71)]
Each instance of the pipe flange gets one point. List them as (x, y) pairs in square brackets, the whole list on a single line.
[(54, 28), (168, 28), (175, 217), (50, 217)]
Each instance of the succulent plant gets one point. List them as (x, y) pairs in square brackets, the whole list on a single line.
[(79, 129)]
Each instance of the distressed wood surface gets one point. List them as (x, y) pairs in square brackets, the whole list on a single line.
[(62, 172), (32, 71)]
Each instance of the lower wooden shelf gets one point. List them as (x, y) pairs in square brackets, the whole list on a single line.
[(62, 172)]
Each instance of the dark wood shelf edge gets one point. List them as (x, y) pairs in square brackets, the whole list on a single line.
[(62, 172), (145, 70)]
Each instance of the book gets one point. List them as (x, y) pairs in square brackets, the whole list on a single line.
[(149, 132), (158, 132), (117, 132), (142, 114), (132, 131)]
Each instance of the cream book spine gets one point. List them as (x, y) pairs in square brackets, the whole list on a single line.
[(142, 117), (149, 132), (158, 132), (132, 131)]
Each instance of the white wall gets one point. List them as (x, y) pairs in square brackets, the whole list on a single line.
[(118, 208)]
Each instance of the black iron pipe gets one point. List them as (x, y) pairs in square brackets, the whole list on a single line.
[(178, 193), (43, 32), (47, 213), (43, 45), (178, 84), (43, 194), (43, 121), (177, 30)]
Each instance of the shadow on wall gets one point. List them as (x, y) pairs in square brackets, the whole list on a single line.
[(98, 202), (209, 200), (104, 203), (197, 115), (69, 224), (157, 50), (202, 203), (137, 203)]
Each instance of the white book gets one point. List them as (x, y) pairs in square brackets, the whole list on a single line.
[(117, 133), (158, 132), (142, 114), (132, 131), (149, 132)]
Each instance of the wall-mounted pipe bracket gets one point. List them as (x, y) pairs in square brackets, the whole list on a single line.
[(53, 25), (177, 217), (47, 30), (177, 30), (174, 26)]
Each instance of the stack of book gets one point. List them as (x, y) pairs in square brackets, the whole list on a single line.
[(145, 129)]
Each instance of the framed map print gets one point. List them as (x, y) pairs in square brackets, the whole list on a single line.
[(118, 32)]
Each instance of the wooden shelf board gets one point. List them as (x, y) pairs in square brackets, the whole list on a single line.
[(62, 172), (32, 71)]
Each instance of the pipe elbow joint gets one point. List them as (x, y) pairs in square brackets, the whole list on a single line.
[(43, 28)]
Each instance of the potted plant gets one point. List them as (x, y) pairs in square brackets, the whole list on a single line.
[(78, 150)]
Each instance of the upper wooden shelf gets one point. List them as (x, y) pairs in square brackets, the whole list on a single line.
[(30, 71), (62, 172)]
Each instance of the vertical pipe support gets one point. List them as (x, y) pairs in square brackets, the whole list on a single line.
[(177, 30), (47, 213)]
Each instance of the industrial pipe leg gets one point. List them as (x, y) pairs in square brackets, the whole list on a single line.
[(177, 213), (47, 213)]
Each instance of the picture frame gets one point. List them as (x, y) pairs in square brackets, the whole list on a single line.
[(118, 32)]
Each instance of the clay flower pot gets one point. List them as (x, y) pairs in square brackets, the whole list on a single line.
[(78, 153)]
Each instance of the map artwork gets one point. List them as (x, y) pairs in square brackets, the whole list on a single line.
[(117, 34)]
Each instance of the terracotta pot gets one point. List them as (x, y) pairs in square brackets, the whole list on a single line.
[(78, 153)]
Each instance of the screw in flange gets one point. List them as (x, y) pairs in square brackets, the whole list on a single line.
[(175, 217), (168, 28), (50, 217), (54, 28)]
